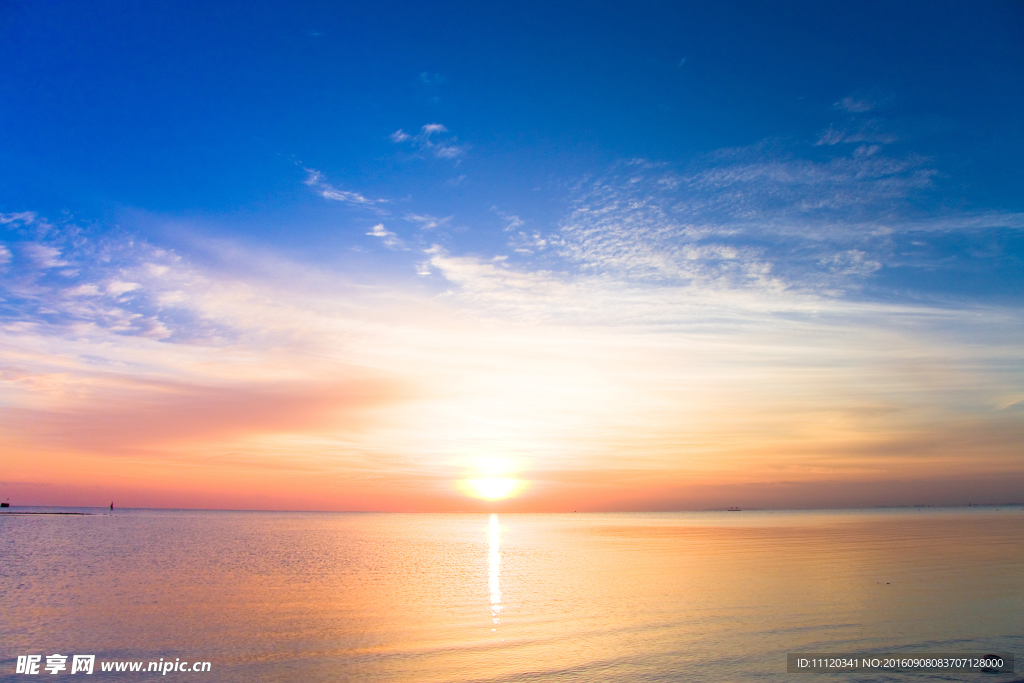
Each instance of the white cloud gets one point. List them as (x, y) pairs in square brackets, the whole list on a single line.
[(747, 222), (869, 132), (647, 219), (84, 290), (390, 239), (328, 191), (345, 196), (117, 287), (511, 220), (426, 221), (23, 217), (522, 241), (172, 298), (528, 242), (45, 256), (851, 262), (432, 139), (854, 105), (442, 151), (963, 223), (866, 150)]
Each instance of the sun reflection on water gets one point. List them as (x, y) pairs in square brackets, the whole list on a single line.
[(494, 564)]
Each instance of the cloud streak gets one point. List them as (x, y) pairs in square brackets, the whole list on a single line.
[(315, 180), (389, 238), (426, 221), (745, 219), (432, 139)]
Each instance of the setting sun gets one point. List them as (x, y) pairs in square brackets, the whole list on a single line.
[(493, 488)]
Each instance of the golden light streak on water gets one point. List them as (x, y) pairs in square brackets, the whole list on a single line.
[(494, 567)]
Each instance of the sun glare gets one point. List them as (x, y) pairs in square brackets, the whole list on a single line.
[(492, 488)]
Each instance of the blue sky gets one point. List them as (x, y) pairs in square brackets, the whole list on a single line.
[(779, 186)]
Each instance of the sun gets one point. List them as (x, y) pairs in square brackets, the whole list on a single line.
[(492, 488), (492, 477)]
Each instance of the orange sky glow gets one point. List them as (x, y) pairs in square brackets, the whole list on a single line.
[(514, 392)]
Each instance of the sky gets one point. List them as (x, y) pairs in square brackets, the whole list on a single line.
[(544, 256)]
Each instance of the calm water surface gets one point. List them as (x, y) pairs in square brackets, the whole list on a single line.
[(714, 596)]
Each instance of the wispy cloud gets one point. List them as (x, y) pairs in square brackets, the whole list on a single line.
[(870, 132), (426, 221), (528, 242), (511, 220), (26, 224), (856, 105), (23, 218), (44, 256), (752, 217), (315, 179), (851, 262), (433, 139), (522, 241), (865, 132), (427, 78), (389, 238)]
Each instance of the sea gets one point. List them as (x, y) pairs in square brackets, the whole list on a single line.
[(532, 598)]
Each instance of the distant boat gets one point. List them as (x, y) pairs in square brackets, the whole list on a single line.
[(733, 510), (5, 505)]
